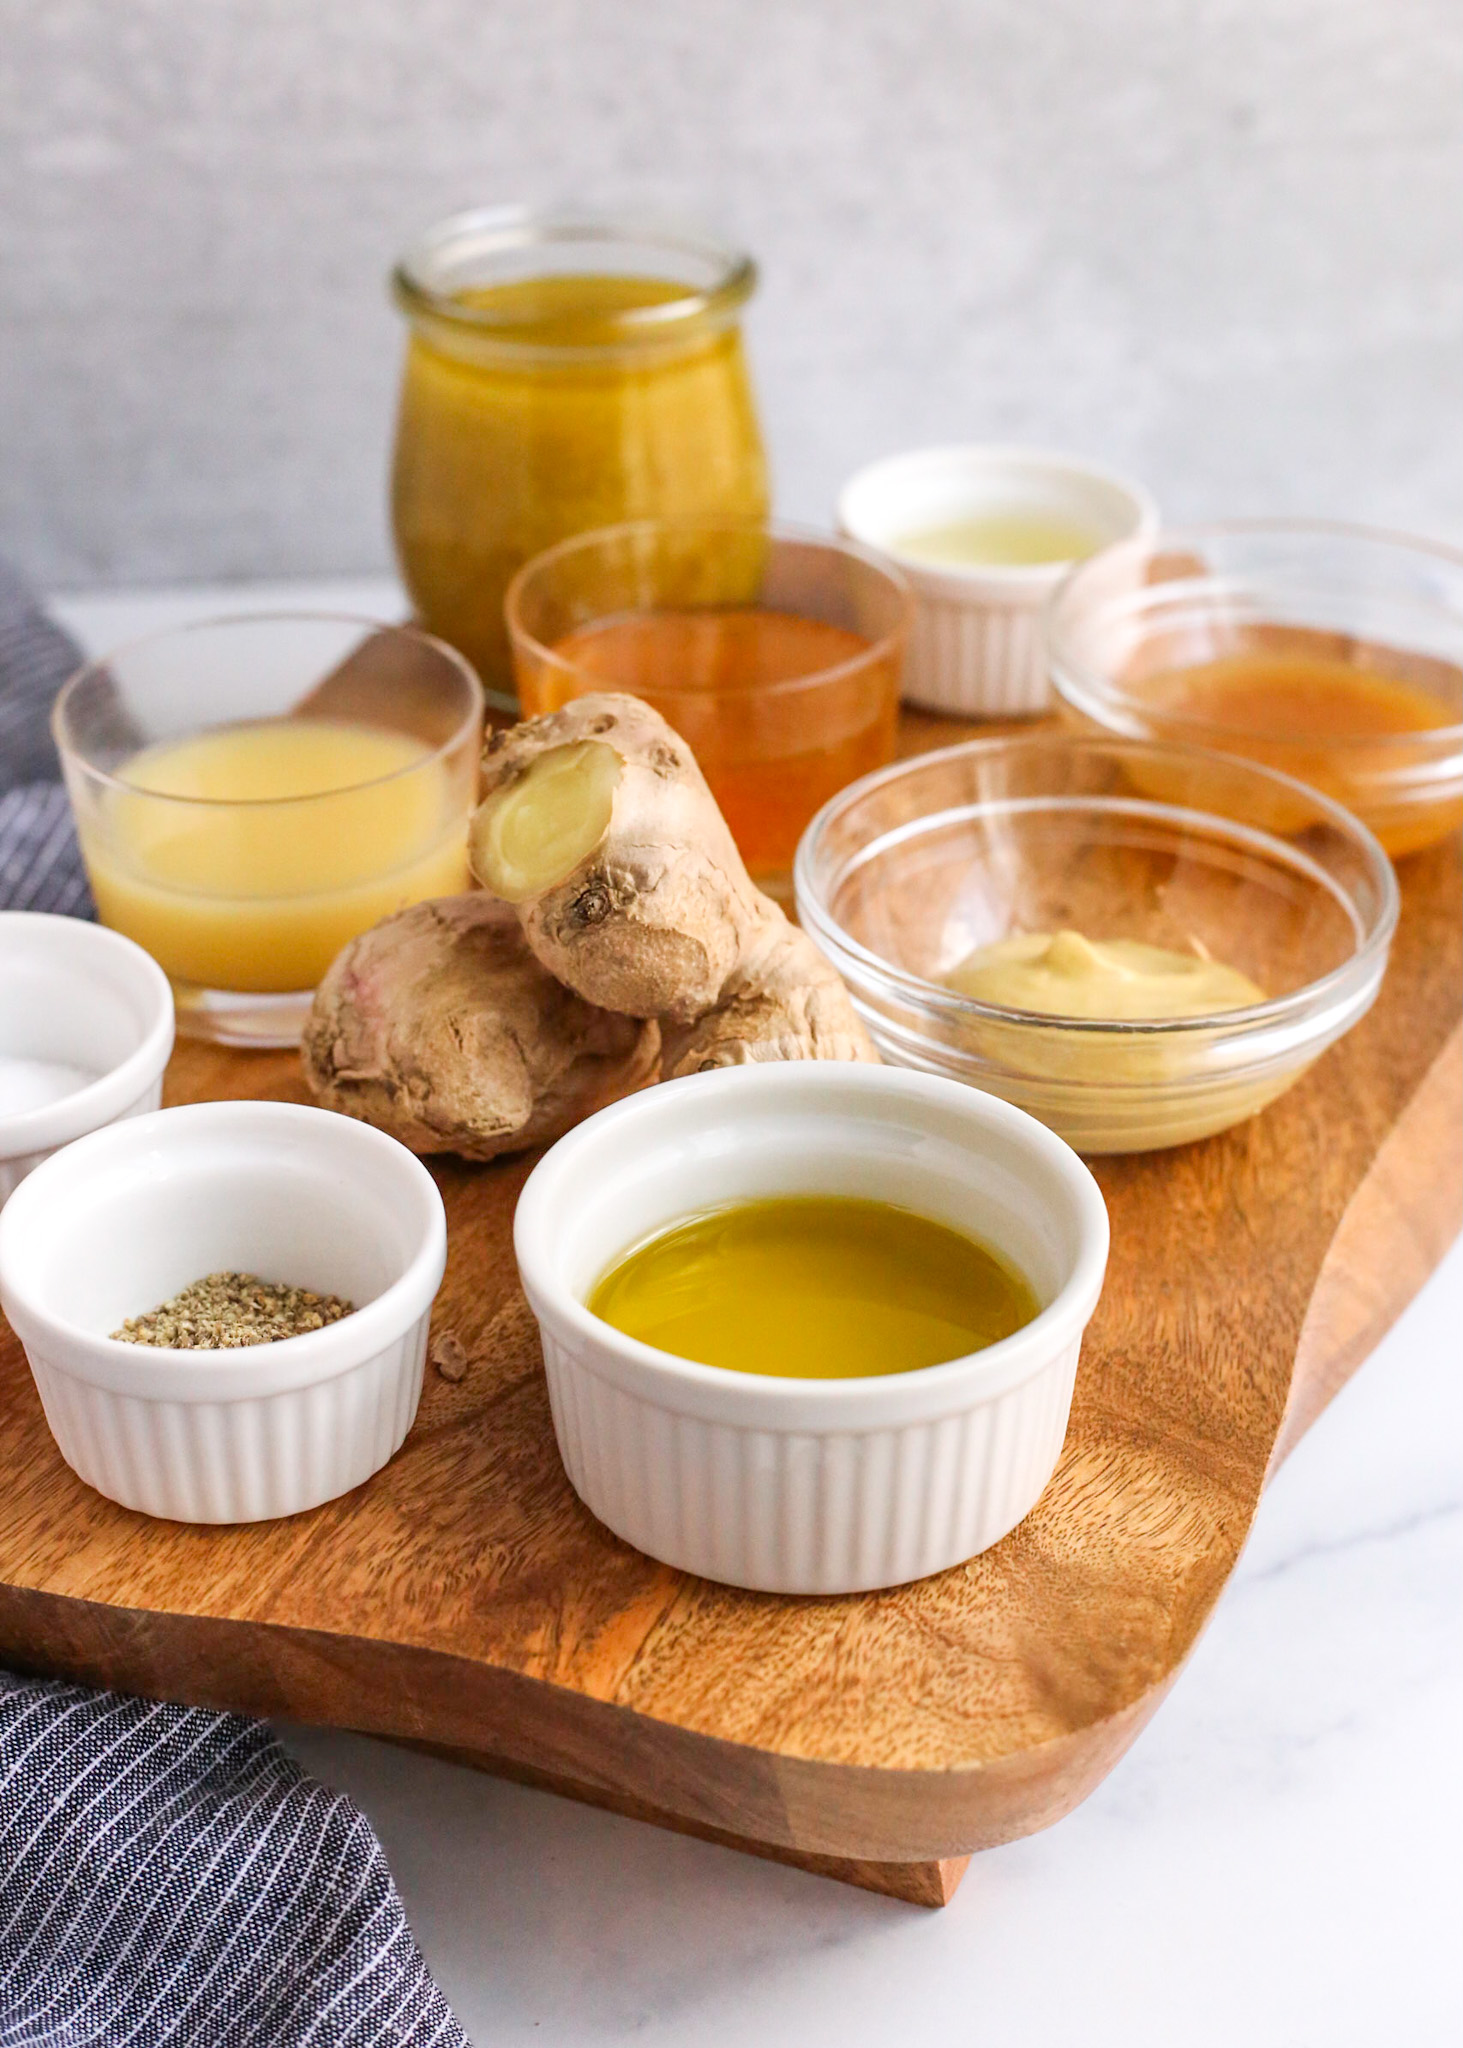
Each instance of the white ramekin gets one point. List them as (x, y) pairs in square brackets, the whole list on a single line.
[(73, 992), (121, 1220), (977, 645), (809, 1486)]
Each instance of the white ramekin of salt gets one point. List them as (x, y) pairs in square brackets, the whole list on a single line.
[(86, 1028), (984, 535)]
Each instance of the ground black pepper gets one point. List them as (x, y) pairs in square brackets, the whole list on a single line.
[(226, 1310)]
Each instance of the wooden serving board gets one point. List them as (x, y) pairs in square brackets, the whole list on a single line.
[(464, 1599)]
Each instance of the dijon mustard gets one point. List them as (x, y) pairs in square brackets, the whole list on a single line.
[(1063, 974), (1112, 1089)]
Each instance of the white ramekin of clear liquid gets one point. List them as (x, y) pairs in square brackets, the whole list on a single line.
[(977, 645)]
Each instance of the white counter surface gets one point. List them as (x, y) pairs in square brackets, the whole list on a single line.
[(1277, 1863)]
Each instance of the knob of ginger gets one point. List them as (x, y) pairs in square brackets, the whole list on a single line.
[(440, 1027), (598, 827)]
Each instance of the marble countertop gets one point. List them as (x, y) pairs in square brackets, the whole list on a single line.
[(1275, 1862)]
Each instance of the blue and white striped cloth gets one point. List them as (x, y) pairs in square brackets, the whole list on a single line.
[(169, 1876), (40, 862)]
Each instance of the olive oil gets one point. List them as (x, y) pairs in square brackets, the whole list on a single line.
[(814, 1287)]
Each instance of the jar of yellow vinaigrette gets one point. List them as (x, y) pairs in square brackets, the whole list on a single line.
[(563, 372)]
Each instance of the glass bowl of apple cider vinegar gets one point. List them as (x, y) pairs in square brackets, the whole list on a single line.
[(252, 792), (564, 370), (1330, 652), (775, 654)]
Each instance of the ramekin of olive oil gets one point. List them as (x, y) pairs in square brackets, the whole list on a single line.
[(886, 1396), (814, 1287)]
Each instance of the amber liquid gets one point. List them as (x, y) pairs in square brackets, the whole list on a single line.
[(1296, 696), (772, 756), (502, 451), (814, 1287), (1312, 715)]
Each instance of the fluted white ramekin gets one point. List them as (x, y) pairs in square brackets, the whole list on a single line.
[(810, 1486), (120, 1221), (78, 994), (977, 643)]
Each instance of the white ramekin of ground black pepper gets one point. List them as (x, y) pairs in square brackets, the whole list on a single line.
[(153, 1271)]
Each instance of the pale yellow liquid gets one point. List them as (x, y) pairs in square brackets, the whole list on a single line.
[(241, 890), (998, 540), (814, 1287)]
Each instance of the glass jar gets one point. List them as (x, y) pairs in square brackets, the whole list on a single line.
[(563, 372)]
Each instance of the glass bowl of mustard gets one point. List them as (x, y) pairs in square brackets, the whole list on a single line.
[(564, 370), (1139, 944), (1331, 652)]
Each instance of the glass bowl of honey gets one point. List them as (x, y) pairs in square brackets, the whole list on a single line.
[(775, 654), (250, 793), (1140, 944), (1330, 652)]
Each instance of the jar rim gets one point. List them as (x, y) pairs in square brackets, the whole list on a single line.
[(493, 235)]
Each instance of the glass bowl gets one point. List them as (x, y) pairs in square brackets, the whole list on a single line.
[(1330, 652), (252, 792), (775, 654), (901, 876)]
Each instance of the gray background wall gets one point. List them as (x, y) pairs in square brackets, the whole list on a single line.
[(1219, 242)]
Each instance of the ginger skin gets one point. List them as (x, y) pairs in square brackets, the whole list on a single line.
[(784, 1001), (630, 890), (657, 908), (439, 1027)]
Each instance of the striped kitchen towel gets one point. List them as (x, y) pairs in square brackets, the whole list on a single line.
[(40, 862), (169, 1876), (36, 657)]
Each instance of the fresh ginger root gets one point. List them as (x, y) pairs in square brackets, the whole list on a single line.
[(783, 1001), (598, 827), (440, 1027)]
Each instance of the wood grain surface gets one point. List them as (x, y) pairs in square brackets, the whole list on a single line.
[(464, 1599)]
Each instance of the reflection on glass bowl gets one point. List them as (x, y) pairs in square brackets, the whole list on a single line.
[(906, 873), (1330, 652)]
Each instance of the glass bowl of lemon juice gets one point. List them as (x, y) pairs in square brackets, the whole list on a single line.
[(252, 792)]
